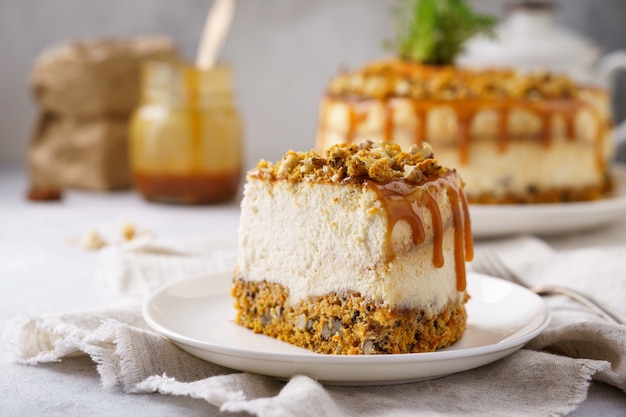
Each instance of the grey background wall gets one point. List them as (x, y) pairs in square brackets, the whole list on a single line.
[(283, 52)]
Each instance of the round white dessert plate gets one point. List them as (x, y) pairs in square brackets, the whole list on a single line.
[(198, 316), (549, 219)]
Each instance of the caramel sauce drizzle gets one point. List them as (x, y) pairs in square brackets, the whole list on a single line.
[(503, 128), (195, 118), (421, 129), (389, 120), (357, 114), (352, 124), (403, 201), (459, 241), (467, 227), (465, 112)]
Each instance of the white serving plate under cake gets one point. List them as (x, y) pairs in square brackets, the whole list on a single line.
[(198, 316), (546, 219)]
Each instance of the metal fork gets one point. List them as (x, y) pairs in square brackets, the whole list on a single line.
[(490, 264)]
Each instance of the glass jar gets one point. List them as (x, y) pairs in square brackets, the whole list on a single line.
[(186, 135)]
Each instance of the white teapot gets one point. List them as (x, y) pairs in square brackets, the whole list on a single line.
[(529, 39)]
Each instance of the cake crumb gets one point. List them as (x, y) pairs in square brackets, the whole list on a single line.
[(129, 231), (92, 241)]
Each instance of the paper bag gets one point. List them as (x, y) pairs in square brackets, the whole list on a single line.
[(86, 92)]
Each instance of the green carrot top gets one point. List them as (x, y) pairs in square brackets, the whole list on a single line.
[(433, 32)]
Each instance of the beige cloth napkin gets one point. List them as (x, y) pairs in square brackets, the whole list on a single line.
[(129, 272), (575, 349)]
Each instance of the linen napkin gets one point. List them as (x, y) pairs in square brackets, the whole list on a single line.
[(550, 376), (130, 271)]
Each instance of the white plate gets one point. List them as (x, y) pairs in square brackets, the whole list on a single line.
[(197, 315), (547, 219)]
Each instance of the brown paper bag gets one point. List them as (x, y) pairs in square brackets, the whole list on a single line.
[(86, 92), (95, 76), (87, 153)]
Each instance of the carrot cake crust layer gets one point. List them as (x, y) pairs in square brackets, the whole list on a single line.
[(345, 323)]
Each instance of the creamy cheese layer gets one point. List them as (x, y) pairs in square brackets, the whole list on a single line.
[(524, 166), (316, 239)]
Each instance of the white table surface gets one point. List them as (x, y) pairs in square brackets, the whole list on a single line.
[(41, 271)]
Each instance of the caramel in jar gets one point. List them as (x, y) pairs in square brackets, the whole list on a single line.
[(186, 135)]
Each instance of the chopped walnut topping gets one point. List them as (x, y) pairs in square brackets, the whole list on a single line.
[(380, 162), (413, 174), (392, 78), (291, 160)]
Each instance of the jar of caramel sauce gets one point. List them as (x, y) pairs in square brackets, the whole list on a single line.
[(186, 135)]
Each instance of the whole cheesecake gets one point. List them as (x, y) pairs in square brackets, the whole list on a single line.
[(514, 137), (360, 251)]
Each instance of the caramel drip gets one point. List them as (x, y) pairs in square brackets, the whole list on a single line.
[(546, 129), (569, 125), (464, 117), (399, 205), (435, 212), (503, 128), (420, 130), (357, 114), (195, 119), (403, 201), (467, 228), (459, 241), (547, 111), (352, 122), (416, 219), (465, 111), (388, 120)]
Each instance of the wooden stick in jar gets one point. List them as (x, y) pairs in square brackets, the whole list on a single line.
[(215, 32)]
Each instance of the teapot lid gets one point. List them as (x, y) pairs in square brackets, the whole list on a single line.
[(528, 38)]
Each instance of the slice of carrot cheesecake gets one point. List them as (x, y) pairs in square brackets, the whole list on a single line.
[(360, 251)]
